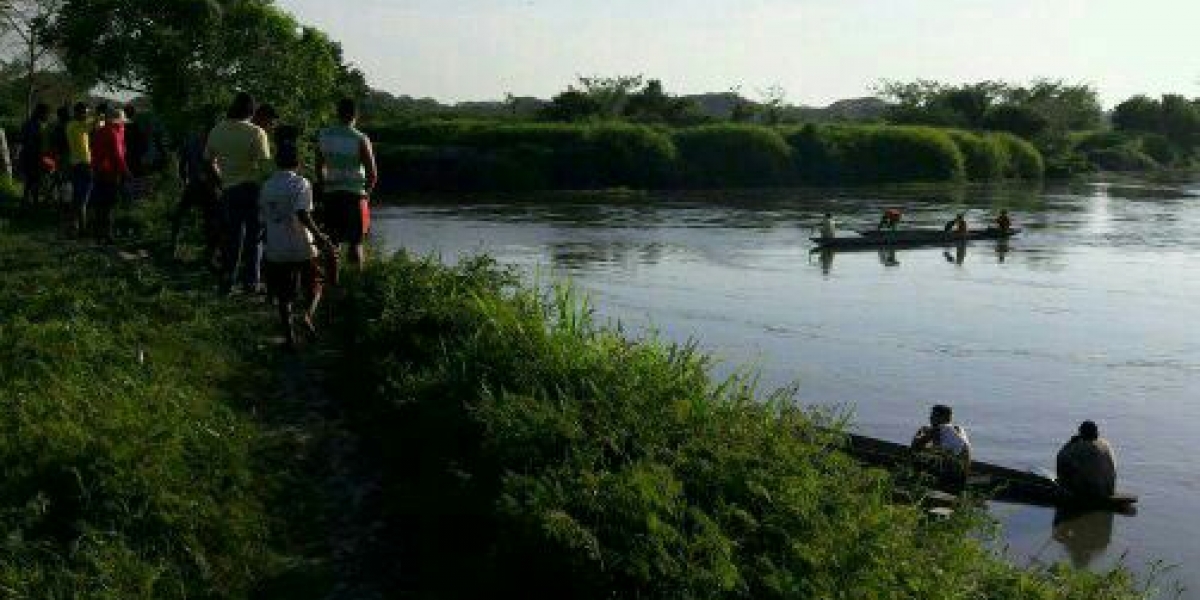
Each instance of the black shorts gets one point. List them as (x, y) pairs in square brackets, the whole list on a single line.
[(347, 217), (287, 280)]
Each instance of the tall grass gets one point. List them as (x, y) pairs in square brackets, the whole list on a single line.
[(133, 467), (528, 451), (481, 155)]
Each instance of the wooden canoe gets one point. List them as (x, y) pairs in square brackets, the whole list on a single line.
[(996, 482), (911, 237)]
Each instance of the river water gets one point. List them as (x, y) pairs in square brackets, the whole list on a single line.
[(1090, 314)]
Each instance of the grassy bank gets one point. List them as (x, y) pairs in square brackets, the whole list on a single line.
[(527, 451), (441, 155), (144, 439)]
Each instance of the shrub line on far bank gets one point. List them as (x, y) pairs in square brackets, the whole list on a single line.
[(450, 155)]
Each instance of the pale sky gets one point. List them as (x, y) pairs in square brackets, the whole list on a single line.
[(817, 50)]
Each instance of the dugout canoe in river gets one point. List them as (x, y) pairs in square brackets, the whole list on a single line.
[(911, 237), (998, 483)]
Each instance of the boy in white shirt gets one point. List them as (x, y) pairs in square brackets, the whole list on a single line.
[(291, 236)]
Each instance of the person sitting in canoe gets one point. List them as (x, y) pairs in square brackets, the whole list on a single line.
[(828, 227), (1004, 222), (958, 225), (890, 220), (1086, 466), (948, 443)]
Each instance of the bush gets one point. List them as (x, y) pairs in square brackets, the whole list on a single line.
[(1161, 149), (985, 157), (902, 154), (1122, 158), (527, 452), (629, 155), (10, 191), (733, 156), (1024, 160)]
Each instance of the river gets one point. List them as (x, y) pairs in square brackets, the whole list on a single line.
[(1090, 314)]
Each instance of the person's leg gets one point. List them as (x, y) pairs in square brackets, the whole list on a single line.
[(362, 225), (313, 285), (81, 191), (233, 239), (252, 256), (210, 217), (181, 211), (105, 197), (281, 283)]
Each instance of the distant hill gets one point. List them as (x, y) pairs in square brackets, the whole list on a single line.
[(719, 105)]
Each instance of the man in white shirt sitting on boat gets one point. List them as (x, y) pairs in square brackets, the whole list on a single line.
[(828, 227), (950, 445)]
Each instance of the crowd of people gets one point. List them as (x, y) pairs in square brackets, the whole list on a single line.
[(267, 229)]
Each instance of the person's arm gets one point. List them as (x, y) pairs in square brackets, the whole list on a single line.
[(210, 161), (366, 154), (923, 439), (306, 219), (262, 152)]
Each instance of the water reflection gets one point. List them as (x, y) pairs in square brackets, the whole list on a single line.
[(1084, 535)]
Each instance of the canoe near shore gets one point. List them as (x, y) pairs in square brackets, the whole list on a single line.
[(998, 483), (911, 237)]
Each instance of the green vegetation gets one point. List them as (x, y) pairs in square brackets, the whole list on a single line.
[(527, 451), (733, 156), (507, 155), (137, 463)]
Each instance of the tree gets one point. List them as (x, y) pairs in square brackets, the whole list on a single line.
[(1140, 114), (774, 101), (572, 105), (188, 56), (24, 24), (1016, 119), (653, 105), (1180, 122), (611, 93)]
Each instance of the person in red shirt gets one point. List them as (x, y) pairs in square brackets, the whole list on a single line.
[(110, 171)]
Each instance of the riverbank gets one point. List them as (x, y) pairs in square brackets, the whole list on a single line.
[(161, 449), (466, 155), (525, 449), (157, 442)]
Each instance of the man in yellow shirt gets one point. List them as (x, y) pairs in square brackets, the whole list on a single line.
[(240, 156), (79, 144)]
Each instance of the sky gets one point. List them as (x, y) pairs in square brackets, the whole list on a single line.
[(818, 51)]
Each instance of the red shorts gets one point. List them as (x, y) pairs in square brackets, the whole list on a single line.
[(347, 217)]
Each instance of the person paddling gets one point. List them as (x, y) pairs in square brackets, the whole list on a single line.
[(958, 225), (890, 219), (1086, 466), (1004, 222)]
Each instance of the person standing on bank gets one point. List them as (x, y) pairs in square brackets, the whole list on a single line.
[(79, 140), (291, 235), (239, 154), (1086, 466), (33, 151), (347, 175), (110, 171)]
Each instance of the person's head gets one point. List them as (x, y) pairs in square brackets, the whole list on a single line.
[(41, 112), (940, 415), (265, 116), (242, 107), (130, 111), (961, 216), (1004, 212), (287, 147), (347, 111), (1089, 431), (828, 215), (64, 113), (81, 111), (115, 116)]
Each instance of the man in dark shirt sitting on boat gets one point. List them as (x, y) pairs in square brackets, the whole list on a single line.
[(1086, 466), (950, 446)]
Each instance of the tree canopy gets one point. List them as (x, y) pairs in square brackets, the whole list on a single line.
[(188, 56)]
